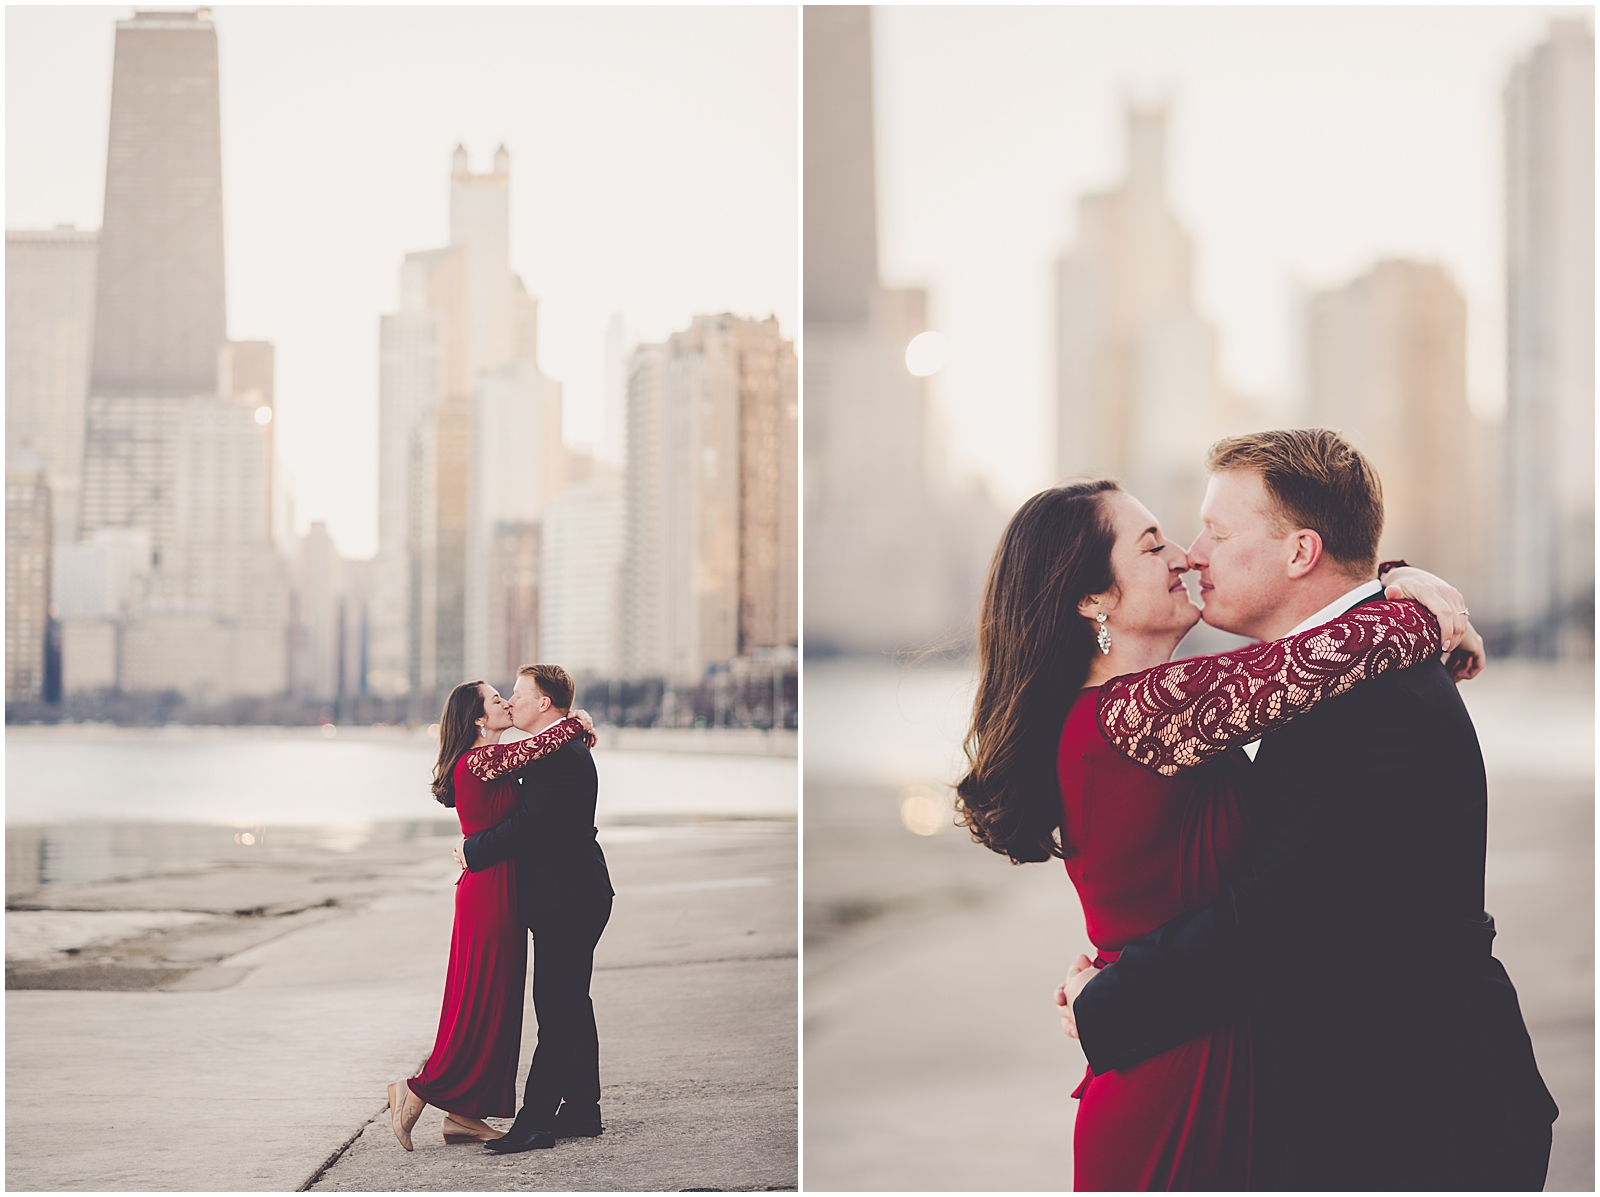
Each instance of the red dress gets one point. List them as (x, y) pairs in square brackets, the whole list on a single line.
[(473, 1068), (1147, 841)]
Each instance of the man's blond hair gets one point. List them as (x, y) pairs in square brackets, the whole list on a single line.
[(554, 682), (1315, 479)]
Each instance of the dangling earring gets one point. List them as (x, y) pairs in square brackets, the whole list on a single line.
[(483, 731), (1101, 636)]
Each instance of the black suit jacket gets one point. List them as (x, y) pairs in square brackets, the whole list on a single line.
[(551, 835), (1390, 1048)]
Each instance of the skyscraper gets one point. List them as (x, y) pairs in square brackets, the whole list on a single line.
[(583, 549), (97, 584), (877, 567), (410, 383), (515, 624), (769, 489), (619, 345), (27, 575), (177, 438), (712, 536), (644, 580), (160, 308), (50, 296), (319, 611), (247, 374), (469, 447), (841, 196), (697, 488), (441, 462), (518, 466), (480, 229), (1547, 542), (1136, 371), (1388, 368)]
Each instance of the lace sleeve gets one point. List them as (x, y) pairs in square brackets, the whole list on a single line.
[(1176, 716), (499, 760)]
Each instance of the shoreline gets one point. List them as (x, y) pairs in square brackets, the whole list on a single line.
[(707, 741)]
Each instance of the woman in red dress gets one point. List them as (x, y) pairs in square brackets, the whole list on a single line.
[(472, 1073), (1085, 746)]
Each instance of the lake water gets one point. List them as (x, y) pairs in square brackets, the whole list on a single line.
[(244, 777), (898, 726)]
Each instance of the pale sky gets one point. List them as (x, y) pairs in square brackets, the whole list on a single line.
[(654, 172), (1303, 145)]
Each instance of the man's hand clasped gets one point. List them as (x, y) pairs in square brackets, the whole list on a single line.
[(1079, 975)]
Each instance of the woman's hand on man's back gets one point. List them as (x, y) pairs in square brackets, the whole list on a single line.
[(1449, 605)]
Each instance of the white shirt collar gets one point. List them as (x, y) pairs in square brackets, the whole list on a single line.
[(1338, 607)]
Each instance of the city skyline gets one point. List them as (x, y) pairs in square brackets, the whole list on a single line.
[(1305, 145), (175, 565), (347, 164), (477, 433)]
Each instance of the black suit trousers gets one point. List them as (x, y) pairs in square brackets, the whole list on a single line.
[(566, 1059)]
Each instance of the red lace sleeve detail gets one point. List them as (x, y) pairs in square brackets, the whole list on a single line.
[(500, 760), (1176, 716)]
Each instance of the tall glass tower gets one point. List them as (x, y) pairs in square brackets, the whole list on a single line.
[(178, 422), (160, 312)]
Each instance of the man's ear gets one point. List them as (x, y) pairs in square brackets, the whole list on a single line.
[(1305, 552)]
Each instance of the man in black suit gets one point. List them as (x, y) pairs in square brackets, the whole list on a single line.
[(564, 896), (1390, 1049)]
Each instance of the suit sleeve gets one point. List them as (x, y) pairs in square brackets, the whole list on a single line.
[(516, 831), (1206, 966)]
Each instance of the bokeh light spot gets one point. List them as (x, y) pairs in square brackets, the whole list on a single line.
[(922, 812), (926, 354)]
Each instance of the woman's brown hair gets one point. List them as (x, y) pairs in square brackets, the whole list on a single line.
[(1033, 657), (458, 731)]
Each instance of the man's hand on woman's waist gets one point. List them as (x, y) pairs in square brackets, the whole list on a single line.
[(1079, 975)]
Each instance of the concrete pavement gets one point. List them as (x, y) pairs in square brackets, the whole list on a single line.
[(933, 1059), (251, 1051)]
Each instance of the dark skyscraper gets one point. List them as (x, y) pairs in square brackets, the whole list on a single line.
[(160, 313), (890, 549), (177, 426), (841, 234)]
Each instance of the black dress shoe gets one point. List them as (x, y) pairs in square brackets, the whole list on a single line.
[(514, 1141)]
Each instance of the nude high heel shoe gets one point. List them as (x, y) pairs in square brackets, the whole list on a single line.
[(458, 1128), (404, 1110)]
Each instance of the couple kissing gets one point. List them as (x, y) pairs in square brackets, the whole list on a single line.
[(530, 865), (1279, 850)]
